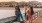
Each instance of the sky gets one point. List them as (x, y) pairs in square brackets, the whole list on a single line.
[(19, 0)]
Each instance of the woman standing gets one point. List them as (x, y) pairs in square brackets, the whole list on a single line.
[(30, 13), (25, 15)]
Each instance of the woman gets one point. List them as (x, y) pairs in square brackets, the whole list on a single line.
[(30, 13), (25, 15), (18, 13)]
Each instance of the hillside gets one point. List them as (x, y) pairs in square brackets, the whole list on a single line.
[(21, 4)]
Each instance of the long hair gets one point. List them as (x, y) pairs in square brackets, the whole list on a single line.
[(32, 12), (17, 8)]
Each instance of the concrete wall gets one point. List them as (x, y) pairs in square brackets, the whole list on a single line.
[(7, 19)]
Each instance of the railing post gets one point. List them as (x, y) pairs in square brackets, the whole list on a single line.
[(38, 13)]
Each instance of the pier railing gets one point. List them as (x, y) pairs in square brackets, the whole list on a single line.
[(36, 14)]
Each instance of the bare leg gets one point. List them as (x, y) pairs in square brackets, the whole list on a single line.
[(30, 21)]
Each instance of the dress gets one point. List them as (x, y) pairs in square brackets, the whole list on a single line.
[(29, 15)]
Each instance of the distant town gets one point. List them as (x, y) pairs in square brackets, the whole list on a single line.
[(35, 4)]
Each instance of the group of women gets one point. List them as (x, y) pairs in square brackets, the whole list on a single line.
[(28, 14)]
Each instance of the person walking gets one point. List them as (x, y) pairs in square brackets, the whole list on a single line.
[(18, 13)]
